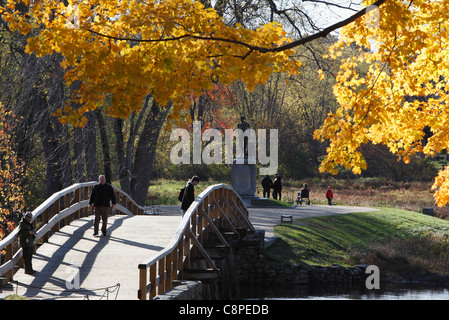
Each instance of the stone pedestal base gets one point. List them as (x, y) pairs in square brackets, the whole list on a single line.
[(244, 177)]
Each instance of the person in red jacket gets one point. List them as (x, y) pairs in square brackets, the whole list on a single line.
[(329, 195)]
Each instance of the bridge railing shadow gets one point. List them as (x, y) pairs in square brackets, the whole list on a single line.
[(57, 211), (217, 205), (56, 286)]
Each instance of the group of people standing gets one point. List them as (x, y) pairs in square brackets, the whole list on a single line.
[(303, 194), (276, 185)]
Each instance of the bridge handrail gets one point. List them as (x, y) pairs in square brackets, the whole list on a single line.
[(125, 204), (169, 261)]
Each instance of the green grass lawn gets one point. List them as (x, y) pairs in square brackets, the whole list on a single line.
[(16, 297), (385, 237), (167, 192)]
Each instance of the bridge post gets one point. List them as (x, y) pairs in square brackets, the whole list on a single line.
[(66, 205), (54, 212), (179, 260), (9, 255), (76, 199), (200, 220), (168, 270), (161, 272), (85, 197), (45, 221), (152, 281), (143, 284), (186, 248)]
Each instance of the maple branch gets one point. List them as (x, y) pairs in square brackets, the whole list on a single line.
[(138, 40), (322, 34)]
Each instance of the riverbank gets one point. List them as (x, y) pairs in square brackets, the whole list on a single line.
[(405, 245)]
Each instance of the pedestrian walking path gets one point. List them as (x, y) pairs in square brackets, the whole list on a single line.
[(265, 218)]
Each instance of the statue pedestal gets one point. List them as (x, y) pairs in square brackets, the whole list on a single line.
[(244, 178)]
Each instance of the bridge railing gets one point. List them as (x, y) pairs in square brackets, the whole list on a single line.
[(60, 209), (216, 203)]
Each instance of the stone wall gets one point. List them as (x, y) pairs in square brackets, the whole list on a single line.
[(252, 268), (183, 290)]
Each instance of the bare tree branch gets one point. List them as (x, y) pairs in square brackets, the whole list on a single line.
[(322, 34), (332, 4)]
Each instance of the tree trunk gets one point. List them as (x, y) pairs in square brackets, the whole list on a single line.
[(90, 147), (125, 153), (104, 145), (123, 173), (78, 155), (46, 133), (145, 151)]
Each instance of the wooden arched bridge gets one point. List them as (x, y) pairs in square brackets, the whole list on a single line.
[(140, 257)]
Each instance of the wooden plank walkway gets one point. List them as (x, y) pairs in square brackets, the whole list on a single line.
[(103, 261)]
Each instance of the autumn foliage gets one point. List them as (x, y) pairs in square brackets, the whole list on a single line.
[(120, 52), (11, 174), (404, 91)]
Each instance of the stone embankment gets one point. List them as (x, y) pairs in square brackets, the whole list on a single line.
[(280, 274), (252, 268)]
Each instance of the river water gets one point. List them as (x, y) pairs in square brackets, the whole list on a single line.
[(386, 292)]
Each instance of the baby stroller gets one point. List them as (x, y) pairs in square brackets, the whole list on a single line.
[(303, 196)]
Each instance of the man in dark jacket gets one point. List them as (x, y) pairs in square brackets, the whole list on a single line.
[(189, 194), (267, 184), (26, 241), (277, 187), (101, 197)]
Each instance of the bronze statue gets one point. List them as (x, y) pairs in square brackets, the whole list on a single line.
[(243, 125)]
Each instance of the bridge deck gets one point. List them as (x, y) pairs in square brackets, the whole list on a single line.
[(102, 261)]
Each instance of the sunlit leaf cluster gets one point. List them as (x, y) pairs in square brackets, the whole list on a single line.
[(405, 44), (120, 51)]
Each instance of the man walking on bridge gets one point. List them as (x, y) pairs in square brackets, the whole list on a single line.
[(189, 194), (101, 197)]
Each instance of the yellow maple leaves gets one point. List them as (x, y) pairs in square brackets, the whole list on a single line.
[(403, 90), (122, 50)]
